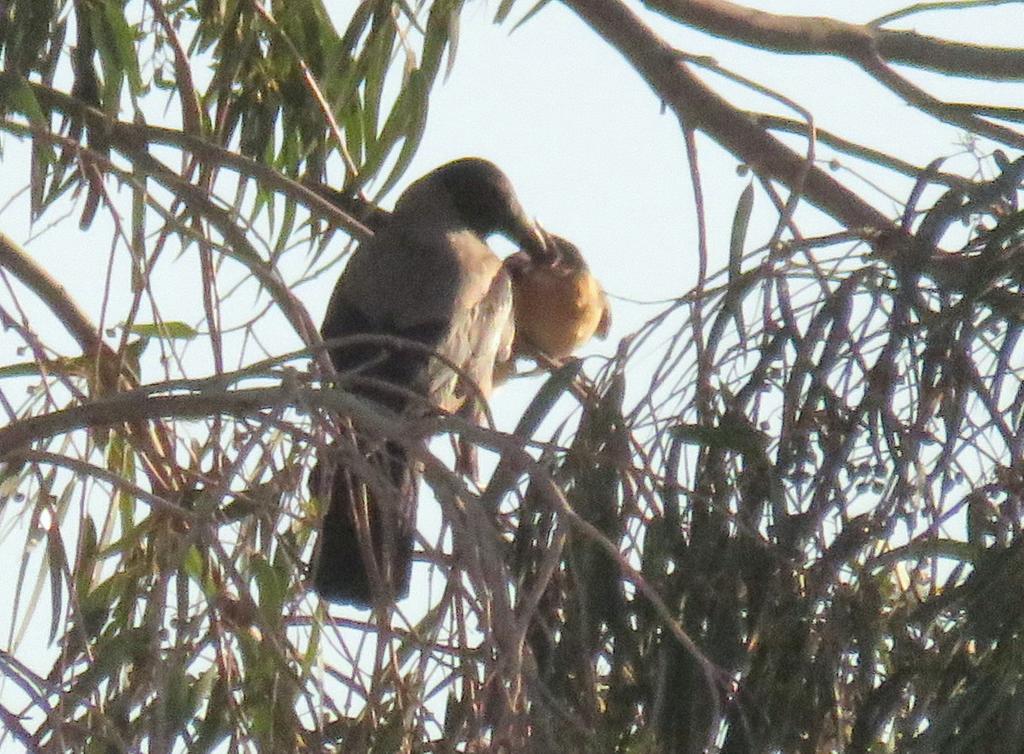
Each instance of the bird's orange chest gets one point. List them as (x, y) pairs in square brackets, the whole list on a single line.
[(557, 311)]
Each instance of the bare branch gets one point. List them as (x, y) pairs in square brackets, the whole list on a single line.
[(697, 106), (821, 35)]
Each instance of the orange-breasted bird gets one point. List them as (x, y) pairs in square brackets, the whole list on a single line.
[(559, 304), (429, 277)]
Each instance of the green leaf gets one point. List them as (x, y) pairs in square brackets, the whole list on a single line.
[(115, 41), (740, 225), (133, 355), (121, 461), (732, 433), (538, 6), (58, 562), (273, 587), (179, 694), (23, 40), (413, 137), (376, 58), (504, 8), (733, 303), (24, 369), (165, 331), (16, 96), (928, 548), (287, 226), (194, 565), (404, 120), (215, 725), (87, 551), (438, 37)]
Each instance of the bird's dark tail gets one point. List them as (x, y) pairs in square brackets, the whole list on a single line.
[(365, 545)]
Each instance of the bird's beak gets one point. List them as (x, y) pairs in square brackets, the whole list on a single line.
[(539, 244), (539, 241)]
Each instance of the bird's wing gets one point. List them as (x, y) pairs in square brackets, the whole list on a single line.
[(481, 328), (400, 286), (445, 290)]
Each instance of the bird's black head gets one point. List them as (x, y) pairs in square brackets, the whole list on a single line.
[(485, 201)]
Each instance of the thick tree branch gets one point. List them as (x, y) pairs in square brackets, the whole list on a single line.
[(819, 35), (110, 367), (699, 107), (19, 263), (138, 406), (922, 100)]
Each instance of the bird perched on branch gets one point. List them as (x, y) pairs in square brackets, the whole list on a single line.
[(559, 304), (429, 278)]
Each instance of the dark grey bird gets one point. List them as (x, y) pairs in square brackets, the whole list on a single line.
[(429, 278)]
